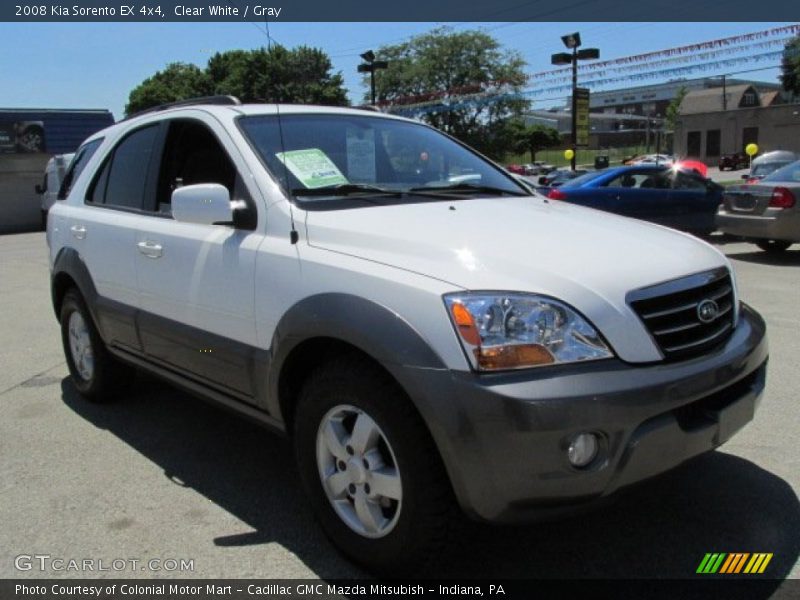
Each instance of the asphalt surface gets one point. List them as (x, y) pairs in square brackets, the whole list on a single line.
[(160, 475)]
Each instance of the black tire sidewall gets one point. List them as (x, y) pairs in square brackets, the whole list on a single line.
[(404, 546), (108, 376)]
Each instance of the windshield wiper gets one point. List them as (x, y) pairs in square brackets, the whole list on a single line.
[(463, 187), (348, 189)]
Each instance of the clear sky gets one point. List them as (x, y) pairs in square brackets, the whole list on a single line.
[(95, 65)]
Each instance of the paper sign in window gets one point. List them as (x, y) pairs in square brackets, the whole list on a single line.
[(361, 155), (312, 167)]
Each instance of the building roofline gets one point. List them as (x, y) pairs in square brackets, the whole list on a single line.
[(57, 110)]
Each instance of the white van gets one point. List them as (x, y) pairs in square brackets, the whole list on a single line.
[(53, 176)]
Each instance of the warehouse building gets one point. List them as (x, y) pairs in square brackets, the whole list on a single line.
[(28, 138), (709, 126)]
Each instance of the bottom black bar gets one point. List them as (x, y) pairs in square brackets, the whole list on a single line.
[(704, 586)]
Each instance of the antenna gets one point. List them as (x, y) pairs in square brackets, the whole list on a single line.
[(294, 236)]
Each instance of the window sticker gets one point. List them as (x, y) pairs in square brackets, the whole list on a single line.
[(312, 167), (361, 155)]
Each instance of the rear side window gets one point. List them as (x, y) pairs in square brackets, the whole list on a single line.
[(125, 176), (77, 166)]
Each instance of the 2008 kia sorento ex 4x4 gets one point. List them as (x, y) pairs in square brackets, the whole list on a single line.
[(427, 332)]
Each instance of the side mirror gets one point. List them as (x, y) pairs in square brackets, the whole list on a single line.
[(745, 176), (39, 189), (203, 203)]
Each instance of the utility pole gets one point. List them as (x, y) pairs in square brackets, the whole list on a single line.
[(724, 94)]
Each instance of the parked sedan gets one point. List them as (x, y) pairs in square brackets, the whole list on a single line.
[(678, 199), (766, 212)]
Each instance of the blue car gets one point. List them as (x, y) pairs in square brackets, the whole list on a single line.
[(679, 199)]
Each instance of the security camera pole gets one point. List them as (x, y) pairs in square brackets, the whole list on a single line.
[(573, 41), (369, 66)]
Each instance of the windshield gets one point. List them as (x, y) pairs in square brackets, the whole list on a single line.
[(767, 168), (367, 155), (790, 172)]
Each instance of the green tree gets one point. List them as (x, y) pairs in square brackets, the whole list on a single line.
[(790, 66), (463, 83), (674, 108), (532, 138), (176, 82), (301, 75)]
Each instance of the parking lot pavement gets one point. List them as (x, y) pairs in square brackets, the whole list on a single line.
[(159, 475)]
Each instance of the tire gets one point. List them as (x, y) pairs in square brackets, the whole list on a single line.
[(773, 246), (96, 374), (409, 526), (32, 140), (44, 220)]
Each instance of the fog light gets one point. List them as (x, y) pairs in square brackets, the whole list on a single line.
[(582, 449)]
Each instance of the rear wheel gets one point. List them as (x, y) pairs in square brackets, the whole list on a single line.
[(773, 246), (370, 468), (97, 375)]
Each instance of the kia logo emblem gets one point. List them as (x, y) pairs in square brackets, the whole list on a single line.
[(707, 311)]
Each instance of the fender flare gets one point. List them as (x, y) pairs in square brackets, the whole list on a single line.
[(69, 262), (372, 328)]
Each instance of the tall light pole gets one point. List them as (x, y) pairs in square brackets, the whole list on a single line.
[(370, 65), (573, 41)]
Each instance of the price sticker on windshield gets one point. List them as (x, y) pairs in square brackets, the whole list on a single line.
[(312, 167)]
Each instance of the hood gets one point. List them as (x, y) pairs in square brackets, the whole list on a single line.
[(587, 258)]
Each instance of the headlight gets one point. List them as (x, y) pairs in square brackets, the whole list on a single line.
[(516, 331)]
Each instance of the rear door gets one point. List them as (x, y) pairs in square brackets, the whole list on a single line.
[(694, 202), (641, 193), (106, 232)]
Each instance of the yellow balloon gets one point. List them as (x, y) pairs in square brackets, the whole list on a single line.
[(569, 153), (751, 149)]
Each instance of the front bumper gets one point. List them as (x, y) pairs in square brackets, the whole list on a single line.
[(503, 437), (773, 225)]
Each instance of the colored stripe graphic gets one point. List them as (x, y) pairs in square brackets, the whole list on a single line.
[(733, 563)]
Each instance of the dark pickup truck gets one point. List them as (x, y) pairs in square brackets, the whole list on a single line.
[(734, 162)]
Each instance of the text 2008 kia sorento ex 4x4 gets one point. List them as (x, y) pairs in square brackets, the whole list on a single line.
[(427, 333)]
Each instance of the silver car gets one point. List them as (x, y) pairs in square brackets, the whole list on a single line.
[(765, 212), (769, 163)]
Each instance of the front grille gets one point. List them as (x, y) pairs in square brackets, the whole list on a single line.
[(672, 313)]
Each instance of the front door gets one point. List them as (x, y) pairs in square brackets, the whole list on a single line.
[(196, 282)]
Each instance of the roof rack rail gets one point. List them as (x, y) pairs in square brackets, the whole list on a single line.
[(216, 100)]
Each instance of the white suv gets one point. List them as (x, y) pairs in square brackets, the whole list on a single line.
[(427, 332)]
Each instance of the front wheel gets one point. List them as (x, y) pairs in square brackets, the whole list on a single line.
[(774, 246), (371, 470)]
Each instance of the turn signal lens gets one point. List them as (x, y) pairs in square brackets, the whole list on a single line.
[(465, 324), (513, 357)]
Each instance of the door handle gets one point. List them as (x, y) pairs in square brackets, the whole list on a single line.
[(78, 231), (150, 249)]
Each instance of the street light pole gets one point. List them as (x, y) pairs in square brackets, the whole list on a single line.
[(370, 65), (573, 42), (574, 109)]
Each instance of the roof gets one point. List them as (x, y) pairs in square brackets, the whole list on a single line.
[(775, 156), (771, 97), (710, 100)]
